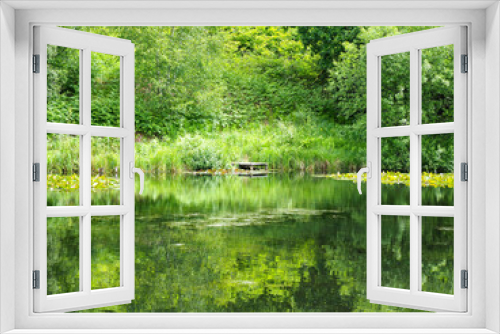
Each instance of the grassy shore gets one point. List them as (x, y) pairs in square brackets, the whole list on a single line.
[(285, 146)]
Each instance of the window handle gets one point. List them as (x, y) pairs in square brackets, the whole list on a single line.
[(139, 171), (368, 171)]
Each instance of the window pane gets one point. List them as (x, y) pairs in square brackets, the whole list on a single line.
[(395, 252), (437, 84), (395, 86), (105, 171), (63, 255), (437, 254), (105, 252), (437, 170), (63, 85), (63, 167), (105, 90), (395, 188)]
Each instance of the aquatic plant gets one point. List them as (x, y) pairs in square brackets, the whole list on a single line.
[(72, 182), (435, 180)]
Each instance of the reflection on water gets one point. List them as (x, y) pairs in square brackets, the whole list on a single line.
[(285, 243)]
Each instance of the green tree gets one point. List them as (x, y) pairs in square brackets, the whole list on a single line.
[(347, 86), (270, 75), (328, 43)]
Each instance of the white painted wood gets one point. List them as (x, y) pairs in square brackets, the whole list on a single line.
[(7, 167), (391, 131), (460, 156), (420, 40), (84, 173), (413, 43), (83, 40), (415, 179), (85, 184), (86, 298), (490, 168), (433, 129), (79, 211), (95, 131), (256, 331), (434, 211), (418, 129), (471, 322), (373, 184), (241, 4), (127, 251), (407, 210), (40, 155)]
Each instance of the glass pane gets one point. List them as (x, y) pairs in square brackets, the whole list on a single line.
[(105, 171), (63, 167), (437, 254), (395, 171), (395, 86), (437, 84), (105, 252), (63, 255), (105, 90), (396, 252), (63, 85), (437, 170)]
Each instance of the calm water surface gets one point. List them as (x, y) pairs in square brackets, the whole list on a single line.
[(283, 243)]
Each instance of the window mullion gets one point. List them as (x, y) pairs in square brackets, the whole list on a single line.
[(85, 250), (101, 131), (434, 129), (86, 158), (422, 211), (415, 247), (420, 129)]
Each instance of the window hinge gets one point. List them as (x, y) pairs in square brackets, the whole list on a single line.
[(36, 279), (36, 63), (465, 279), (464, 173), (465, 64), (36, 172)]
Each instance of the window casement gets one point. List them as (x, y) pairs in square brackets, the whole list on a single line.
[(415, 131), (86, 293)]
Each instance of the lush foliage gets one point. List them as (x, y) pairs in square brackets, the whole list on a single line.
[(207, 82), (348, 91), (294, 97), (328, 43), (286, 146)]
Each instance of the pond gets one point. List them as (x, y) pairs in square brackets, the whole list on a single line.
[(282, 243)]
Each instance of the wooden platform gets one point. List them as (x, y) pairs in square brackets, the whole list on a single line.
[(251, 165), (256, 173)]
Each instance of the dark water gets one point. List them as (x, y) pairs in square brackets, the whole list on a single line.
[(284, 243)]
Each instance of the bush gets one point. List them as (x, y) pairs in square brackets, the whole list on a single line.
[(199, 154)]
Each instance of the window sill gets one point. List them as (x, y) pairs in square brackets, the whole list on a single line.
[(250, 331)]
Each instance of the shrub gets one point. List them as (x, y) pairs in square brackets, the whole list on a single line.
[(200, 154)]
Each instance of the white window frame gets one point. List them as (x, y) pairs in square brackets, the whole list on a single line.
[(413, 44), (483, 264), (86, 44)]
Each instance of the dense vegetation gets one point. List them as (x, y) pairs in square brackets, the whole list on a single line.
[(294, 97), (291, 96)]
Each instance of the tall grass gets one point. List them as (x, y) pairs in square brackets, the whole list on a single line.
[(285, 145)]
